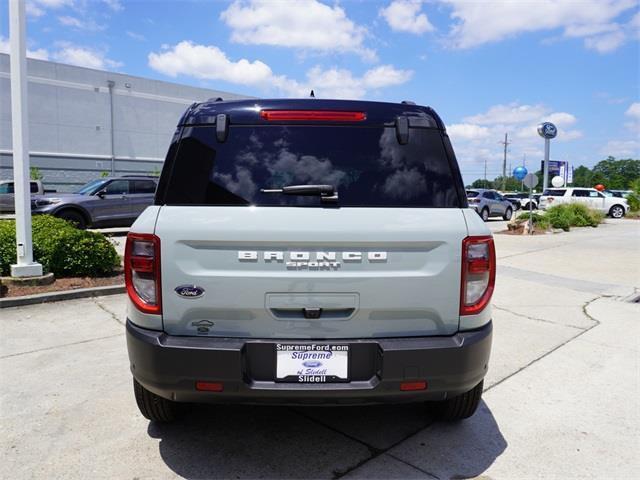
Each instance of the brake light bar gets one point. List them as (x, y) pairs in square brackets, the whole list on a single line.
[(142, 272), (312, 115), (478, 277)]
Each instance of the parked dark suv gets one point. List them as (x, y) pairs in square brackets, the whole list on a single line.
[(105, 202)]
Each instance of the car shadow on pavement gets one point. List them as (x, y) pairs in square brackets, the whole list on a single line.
[(325, 442)]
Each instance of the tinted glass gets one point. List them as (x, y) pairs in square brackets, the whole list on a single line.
[(472, 194), (488, 195), (554, 192), (91, 187), (117, 187), (580, 193), (366, 165), (34, 187), (144, 186), (6, 188)]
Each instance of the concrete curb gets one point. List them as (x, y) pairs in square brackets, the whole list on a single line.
[(62, 295)]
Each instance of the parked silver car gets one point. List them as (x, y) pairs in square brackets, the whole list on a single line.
[(489, 203), (105, 202)]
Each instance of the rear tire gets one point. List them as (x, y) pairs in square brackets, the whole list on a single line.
[(507, 215), (153, 407), (617, 211), (484, 214), (73, 216), (460, 407)]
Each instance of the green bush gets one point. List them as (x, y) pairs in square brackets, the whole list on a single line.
[(634, 197), (60, 248), (539, 220), (565, 216), (573, 215)]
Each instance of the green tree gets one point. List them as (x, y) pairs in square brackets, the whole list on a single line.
[(481, 183), (513, 184), (582, 177), (618, 174)]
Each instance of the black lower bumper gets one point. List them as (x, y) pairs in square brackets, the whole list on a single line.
[(170, 366)]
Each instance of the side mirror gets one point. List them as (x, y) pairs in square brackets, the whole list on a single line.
[(101, 193)]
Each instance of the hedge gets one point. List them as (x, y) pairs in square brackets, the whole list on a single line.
[(60, 248)]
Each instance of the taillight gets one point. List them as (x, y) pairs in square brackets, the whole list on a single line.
[(142, 271), (478, 274), (312, 115), (474, 200)]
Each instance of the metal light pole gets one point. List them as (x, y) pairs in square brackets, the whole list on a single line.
[(546, 130), (25, 266)]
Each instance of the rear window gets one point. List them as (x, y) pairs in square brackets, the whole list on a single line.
[(366, 165), (554, 192), (472, 194)]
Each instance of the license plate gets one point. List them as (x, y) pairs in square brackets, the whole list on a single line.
[(312, 363)]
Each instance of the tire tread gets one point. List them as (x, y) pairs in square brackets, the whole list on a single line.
[(460, 407), (152, 406)]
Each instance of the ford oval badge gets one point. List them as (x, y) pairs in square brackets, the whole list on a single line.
[(312, 363), (189, 291)]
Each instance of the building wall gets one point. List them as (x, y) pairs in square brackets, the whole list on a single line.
[(70, 121)]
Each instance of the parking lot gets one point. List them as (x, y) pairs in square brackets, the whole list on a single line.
[(560, 401)]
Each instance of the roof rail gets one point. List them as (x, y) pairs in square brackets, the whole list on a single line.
[(407, 102)]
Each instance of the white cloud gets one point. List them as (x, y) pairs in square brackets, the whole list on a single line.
[(305, 25), (37, 8), (468, 131), (80, 24), (634, 110), (208, 62), (406, 16), (136, 36), (114, 5), (83, 57), (39, 53), (606, 43), (477, 23), (508, 114), (622, 148), (477, 138)]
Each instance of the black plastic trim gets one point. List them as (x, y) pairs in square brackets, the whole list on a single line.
[(170, 365)]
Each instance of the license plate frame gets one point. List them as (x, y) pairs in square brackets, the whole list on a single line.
[(312, 363)]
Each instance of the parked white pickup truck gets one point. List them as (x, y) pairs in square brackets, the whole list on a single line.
[(613, 206)]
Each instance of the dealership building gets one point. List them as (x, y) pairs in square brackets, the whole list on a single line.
[(85, 122)]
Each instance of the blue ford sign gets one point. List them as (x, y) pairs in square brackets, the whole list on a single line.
[(189, 291), (547, 130)]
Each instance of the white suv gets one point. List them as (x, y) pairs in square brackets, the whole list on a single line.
[(612, 206)]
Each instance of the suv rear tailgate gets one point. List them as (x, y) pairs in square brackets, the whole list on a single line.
[(396, 271)]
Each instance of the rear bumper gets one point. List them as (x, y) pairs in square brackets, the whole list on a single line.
[(170, 366)]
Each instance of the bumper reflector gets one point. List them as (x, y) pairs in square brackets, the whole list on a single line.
[(412, 386), (209, 386)]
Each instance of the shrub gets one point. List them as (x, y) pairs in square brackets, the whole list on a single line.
[(634, 197), (60, 248), (539, 220), (565, 216), (574, 215)]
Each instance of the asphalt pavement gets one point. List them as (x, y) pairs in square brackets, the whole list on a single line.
[(560, 400)]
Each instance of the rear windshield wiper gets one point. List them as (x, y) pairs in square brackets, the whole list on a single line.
[(327, 193)]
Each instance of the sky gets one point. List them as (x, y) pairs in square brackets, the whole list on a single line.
[(487, 67)]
